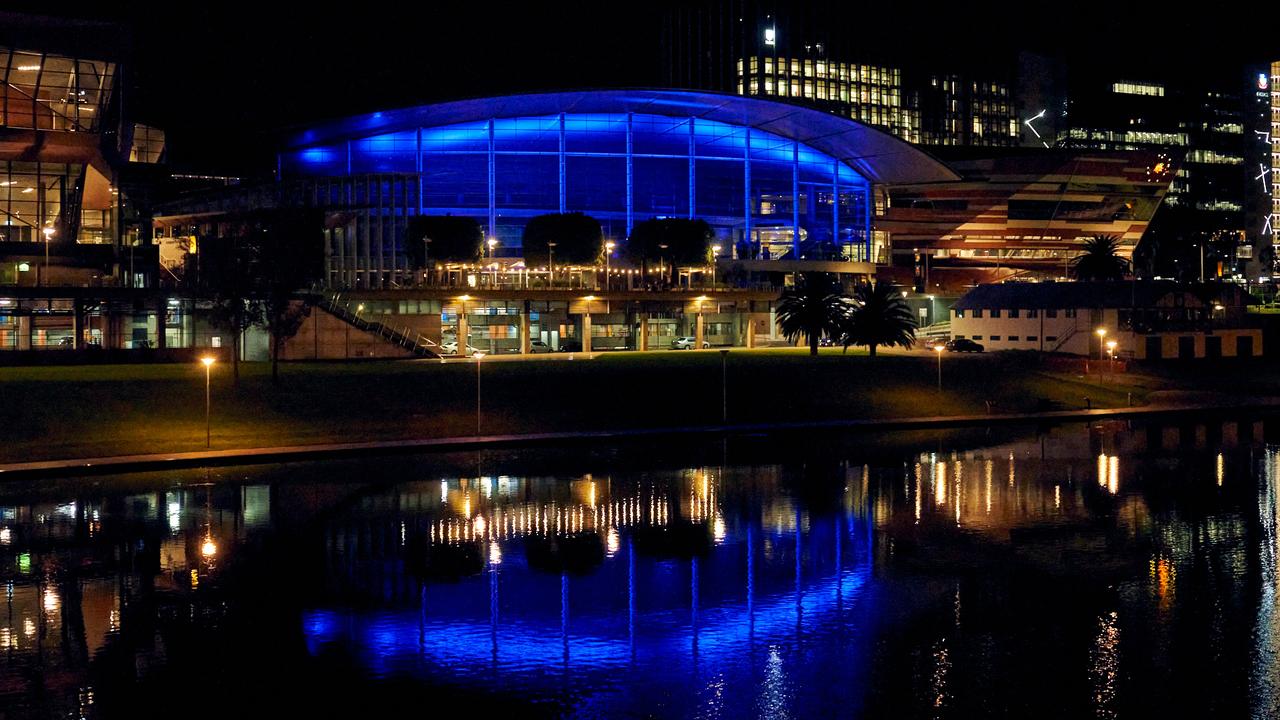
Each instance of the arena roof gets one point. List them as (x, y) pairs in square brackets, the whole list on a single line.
[(876, 155)]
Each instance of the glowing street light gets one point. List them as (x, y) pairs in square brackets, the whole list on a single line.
[(551, 264), (715, 253), (48, 233), (1111, 355), (208, 548), (608, 250), (1102, 335), (478, 356), (207, 361), (937, 349)]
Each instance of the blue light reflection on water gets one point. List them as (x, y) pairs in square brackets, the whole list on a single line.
[(716, 640)]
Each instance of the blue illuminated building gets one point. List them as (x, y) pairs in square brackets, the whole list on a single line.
[(775, 181)]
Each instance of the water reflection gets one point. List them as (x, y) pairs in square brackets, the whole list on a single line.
[(1106, 570)]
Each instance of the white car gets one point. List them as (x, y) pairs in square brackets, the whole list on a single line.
[(451, 348), (687, 343), (537, 346)]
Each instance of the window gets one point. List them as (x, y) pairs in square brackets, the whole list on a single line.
[(1050, 338), (977, 337), (995, 338), (1032, 313), (959, 337), (1013, 338), (1032, 338), (1051, 313), (1070, 312), (1013, 312), (959, 313)]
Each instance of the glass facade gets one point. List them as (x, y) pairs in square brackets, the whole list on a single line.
[(43, 91), (766, 196)]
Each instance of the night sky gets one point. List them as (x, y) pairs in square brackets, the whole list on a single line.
[(220, 76)]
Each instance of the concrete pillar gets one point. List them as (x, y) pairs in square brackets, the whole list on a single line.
[(160, 313), (525, 340), (24, 332), (643, 344), (77, 324), (462, 332), (751, 331), (586, 332), (699, 332)]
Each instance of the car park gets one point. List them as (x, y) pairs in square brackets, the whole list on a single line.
[(964, 345)]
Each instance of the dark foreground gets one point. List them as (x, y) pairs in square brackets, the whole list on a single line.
[(1112, 570)]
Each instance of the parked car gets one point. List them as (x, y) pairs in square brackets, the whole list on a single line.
[(964, 345), (451, 348), (687, 343), (537, 346), (570, 346)]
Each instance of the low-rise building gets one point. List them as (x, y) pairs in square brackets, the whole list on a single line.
[(1147, 320)]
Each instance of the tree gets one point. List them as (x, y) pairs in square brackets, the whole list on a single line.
[(450, 238), (224, 279), (879, 317), (1100, 260), (813, 307), (289, 246), (671, 241), (578, 238)]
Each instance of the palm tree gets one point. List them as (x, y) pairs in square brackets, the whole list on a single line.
[(814, 307), (1100, 260), (879, 317)]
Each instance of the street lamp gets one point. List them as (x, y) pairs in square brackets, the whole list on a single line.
[(48, 233), (1102, 335), (715, 253), (551, 264), (608, 250), (492, 243), (937, 349), (662, 265), (207, 361), (478, 356), (933, 312), (1111, 355)]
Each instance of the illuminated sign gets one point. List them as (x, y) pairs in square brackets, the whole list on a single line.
[(769, 37), (1262, 81)]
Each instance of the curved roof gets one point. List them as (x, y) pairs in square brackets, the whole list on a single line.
[(876, 155)]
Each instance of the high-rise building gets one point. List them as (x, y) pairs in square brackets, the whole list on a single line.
[(810, 54)]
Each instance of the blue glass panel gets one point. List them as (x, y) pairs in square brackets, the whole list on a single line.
[(527, 181), (455, 180), (766, 146), (464, 137), (596, 183), (720, 188), (661, 186), (848, 176), (527, 134), (316, 161), (393, 152), (715, 139), (771, 190), (595, 133), (657, 135)]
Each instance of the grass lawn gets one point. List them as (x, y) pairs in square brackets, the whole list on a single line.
[(83, 411)]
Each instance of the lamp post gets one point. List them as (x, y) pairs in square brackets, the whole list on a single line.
[(662, 264), (1102, 335), (937, 349), (492, 243), (551, 264), (207, 361), (478, 356), (1111, 356), (933, 312), (724, 385), (44, 276), (608, 250), (715, 253)]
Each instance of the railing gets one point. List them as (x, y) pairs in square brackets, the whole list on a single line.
[(405, 337)]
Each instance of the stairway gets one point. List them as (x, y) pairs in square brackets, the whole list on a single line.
[(404, 337)]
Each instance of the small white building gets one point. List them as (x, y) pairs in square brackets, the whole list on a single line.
[(1148, 320)]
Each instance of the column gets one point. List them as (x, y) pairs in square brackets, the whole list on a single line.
[(161, 308), (751, 331), (586, 331), (462, 331), (644, 334), (525, 340), (699, 332), (24, 332), (77, 324)]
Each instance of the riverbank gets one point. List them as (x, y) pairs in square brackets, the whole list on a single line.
[(59, 413)]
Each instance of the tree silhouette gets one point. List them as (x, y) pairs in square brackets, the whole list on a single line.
[(879, 317), (1100, 260), (814, 307)]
